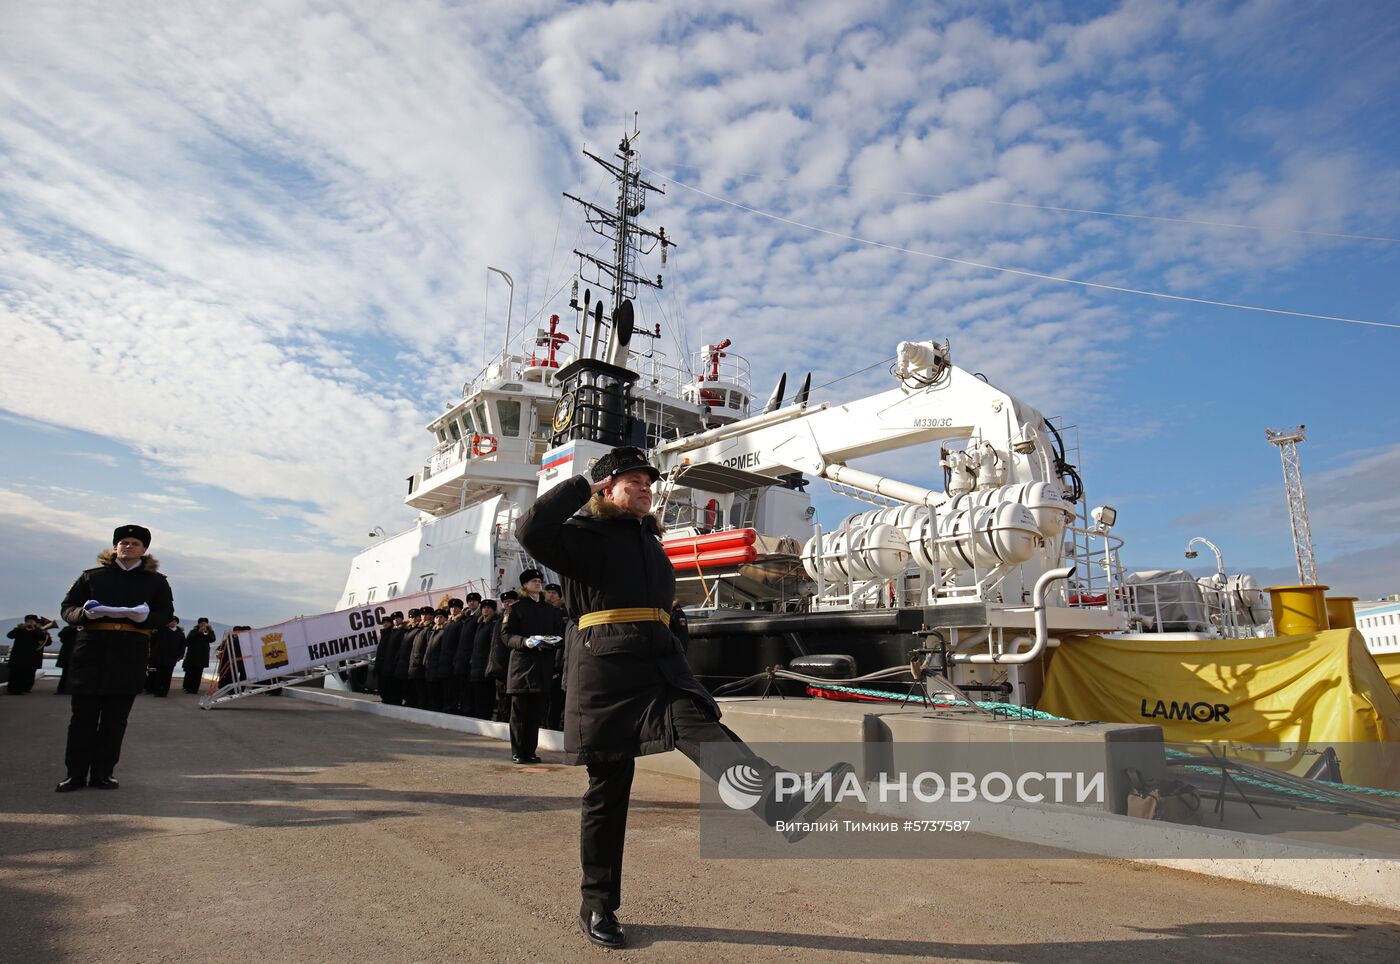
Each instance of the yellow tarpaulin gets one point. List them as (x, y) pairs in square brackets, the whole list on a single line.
[(1319, 689), (1390, 666)]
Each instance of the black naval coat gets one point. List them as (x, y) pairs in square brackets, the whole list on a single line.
[(481, 647), (498, 654), (450, 657), (621, 677), (404, 654), (167, 646), (27, 650), (384, 652), (432, 654), (197, 646), (531, 670), (113, 661)]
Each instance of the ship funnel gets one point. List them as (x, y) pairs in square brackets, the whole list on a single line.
[(775, 401), (804, 391), (621, 338)]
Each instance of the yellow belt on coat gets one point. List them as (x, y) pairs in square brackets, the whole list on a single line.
[(604, 617), (119, 627)]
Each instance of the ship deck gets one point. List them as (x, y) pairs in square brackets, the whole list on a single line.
[(285, 830)]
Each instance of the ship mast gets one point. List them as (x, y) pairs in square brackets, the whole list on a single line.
[(596, 406), (621, 228)]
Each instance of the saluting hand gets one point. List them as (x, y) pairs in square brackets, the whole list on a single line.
[(601, 484)]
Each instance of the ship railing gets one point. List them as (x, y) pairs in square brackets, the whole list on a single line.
[(1098, 577)]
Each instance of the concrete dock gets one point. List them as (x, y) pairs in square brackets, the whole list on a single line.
[(279, 829)]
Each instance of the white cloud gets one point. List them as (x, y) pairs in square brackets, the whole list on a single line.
[(253, 246)]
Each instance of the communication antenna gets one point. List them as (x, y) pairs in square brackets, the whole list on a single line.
[(1287, 442)]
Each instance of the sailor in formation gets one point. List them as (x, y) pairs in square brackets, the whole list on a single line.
[(630, 691), (533, 630), (114, 607)]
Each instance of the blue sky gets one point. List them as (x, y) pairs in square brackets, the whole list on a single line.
[(243, 255)]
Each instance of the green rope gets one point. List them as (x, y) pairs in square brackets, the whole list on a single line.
[(1008, 709)]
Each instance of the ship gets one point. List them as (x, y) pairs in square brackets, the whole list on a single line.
[(966, 594)]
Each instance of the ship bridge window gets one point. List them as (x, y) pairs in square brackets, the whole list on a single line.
[(481, 425), (350, 599), (369, 596), (456, 432), (468, 426), (425, 582), (509, 411), (442, 436), (393, 590)]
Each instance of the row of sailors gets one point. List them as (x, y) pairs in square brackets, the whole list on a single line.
[(453, 659)]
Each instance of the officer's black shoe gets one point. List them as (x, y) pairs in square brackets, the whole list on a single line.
[(517, 758), (601, 928), (69, 785), (105, 783), (797, 809), (533, 759)]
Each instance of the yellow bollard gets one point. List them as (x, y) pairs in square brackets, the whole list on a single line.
[(1298, 609), (1341, 612)]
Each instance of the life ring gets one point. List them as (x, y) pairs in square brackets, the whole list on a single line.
[(483, 445)]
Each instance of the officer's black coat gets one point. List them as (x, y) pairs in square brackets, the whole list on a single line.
[(167, 646), (109, 661), (620, 676), (403, 656), (27, 649), (452, 646), (530, 670), (498, 655), (384, 652), (66, 637), (481, 647), (432, 654), (197, 645)]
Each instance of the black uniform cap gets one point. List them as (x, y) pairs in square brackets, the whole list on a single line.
[(620, 460), (489, 602), (473, 595), (509, 594), (455, 603), (134, 532), (527, 574)]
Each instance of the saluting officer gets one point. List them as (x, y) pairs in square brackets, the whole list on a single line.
[(630, 690), (113, 608)]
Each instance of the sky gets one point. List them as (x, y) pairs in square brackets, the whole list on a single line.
[(244, 251)]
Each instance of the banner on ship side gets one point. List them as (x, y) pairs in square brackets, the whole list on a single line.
[(1312, 691), (310, 641)]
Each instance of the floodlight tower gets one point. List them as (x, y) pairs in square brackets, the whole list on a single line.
[(1287, 442)]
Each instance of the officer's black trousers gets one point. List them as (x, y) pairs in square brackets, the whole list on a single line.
[(526, 712), (483, 698), (194, 676), (708, 744), (95, 734)]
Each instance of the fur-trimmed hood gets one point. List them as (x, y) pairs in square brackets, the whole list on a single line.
[(602, 510), (148, 561)]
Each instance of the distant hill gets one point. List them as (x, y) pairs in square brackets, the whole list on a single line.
[(10, 622)]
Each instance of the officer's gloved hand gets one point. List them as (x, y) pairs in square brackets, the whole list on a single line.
[(91, 605), (139, 613), (534, 642)]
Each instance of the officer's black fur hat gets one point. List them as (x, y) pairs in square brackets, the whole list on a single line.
[(134, 532), (623, 459), (527, 574)]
